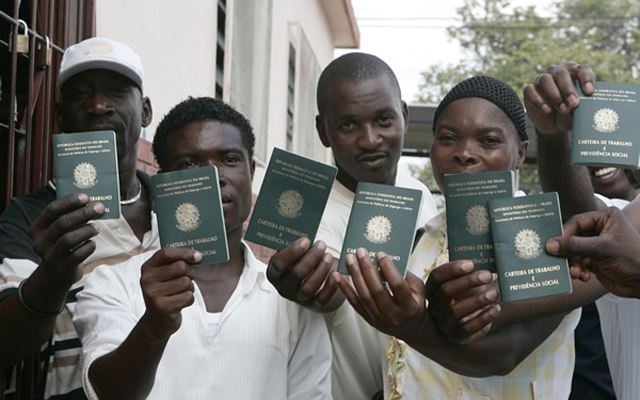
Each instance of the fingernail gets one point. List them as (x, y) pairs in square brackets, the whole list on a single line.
[(563, 108), (553, 246), (350, 259), (466, 266), (485, 276), (197, 256), (492, 295), (99, 208), (305, 243), (360, 252), (572, 100), (588, 87), (545, 108), (95, 226), (82, 197)]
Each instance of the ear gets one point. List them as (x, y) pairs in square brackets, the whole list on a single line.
[(522, 153), (322, 133), (60, 117), (147, 112), (405, 115)]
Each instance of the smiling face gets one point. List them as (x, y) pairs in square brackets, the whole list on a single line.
[(611, 182), (364, 124), (213, 143), (475, 135), (104, 100)]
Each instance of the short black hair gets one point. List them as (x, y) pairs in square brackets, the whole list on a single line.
[(197, 109), (353, 68)]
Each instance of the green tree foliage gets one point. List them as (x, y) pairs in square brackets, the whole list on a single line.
[(516, 44)]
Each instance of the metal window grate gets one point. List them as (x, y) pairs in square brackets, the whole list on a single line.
[(28, 91)]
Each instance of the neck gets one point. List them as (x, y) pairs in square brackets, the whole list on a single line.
[(232, 267), (129, 183)]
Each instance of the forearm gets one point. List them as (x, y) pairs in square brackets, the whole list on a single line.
[(23, 332), (129, 371), (498, 353), (557, 174)]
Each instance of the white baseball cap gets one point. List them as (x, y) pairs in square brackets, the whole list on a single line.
[(101, 53)]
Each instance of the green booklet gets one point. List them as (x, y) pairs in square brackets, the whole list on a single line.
[(87, 162), (383, 218), (291, 201), (521, 226), (605, 126), (468, 227), (190, 212)]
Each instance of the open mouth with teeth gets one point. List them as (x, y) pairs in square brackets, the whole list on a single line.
[(604, 173)]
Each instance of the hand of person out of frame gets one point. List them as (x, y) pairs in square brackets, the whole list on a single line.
[(603, 243), (61, 236), (167, 288), (398, 313), (550, 99), (301, 273), (462, 302)]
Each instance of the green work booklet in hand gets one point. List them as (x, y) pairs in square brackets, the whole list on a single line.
[(605, 126), (291, 201), (383, 218), (190, 212), (87, 162), (468, 227), (521, 226)]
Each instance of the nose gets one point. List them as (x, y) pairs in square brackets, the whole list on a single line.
[(369, 137), (465, 153), (99, 104)]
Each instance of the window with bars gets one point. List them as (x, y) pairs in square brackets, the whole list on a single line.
[(28, 86)]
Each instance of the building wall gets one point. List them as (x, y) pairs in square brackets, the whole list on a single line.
[(177, 43), (176, 40)]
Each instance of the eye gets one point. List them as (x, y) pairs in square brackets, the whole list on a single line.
[(118, 91), (347, 126), (79, 93), (445, 138), (386, 120), (189, 164), (491, 140), (230, 159)]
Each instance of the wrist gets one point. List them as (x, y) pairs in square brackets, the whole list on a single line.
[(36, 311)]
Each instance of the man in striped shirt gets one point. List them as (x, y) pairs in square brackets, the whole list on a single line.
[(48, 246)]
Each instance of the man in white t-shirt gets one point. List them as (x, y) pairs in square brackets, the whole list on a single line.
[(160, 327), (363, 119)]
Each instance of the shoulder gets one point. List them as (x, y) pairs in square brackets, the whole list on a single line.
[(16, 220), (29, 207)]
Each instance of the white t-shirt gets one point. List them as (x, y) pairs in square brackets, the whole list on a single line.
[(356, 370), (265, 347)]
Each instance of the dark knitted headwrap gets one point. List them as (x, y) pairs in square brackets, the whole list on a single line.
[(493, 90)]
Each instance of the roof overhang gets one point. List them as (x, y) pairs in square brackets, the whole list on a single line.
[(342, 23)]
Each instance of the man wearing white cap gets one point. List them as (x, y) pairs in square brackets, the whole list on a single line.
[(48, 246)]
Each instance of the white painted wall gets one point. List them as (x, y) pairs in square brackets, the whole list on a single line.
[(176, 40)]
